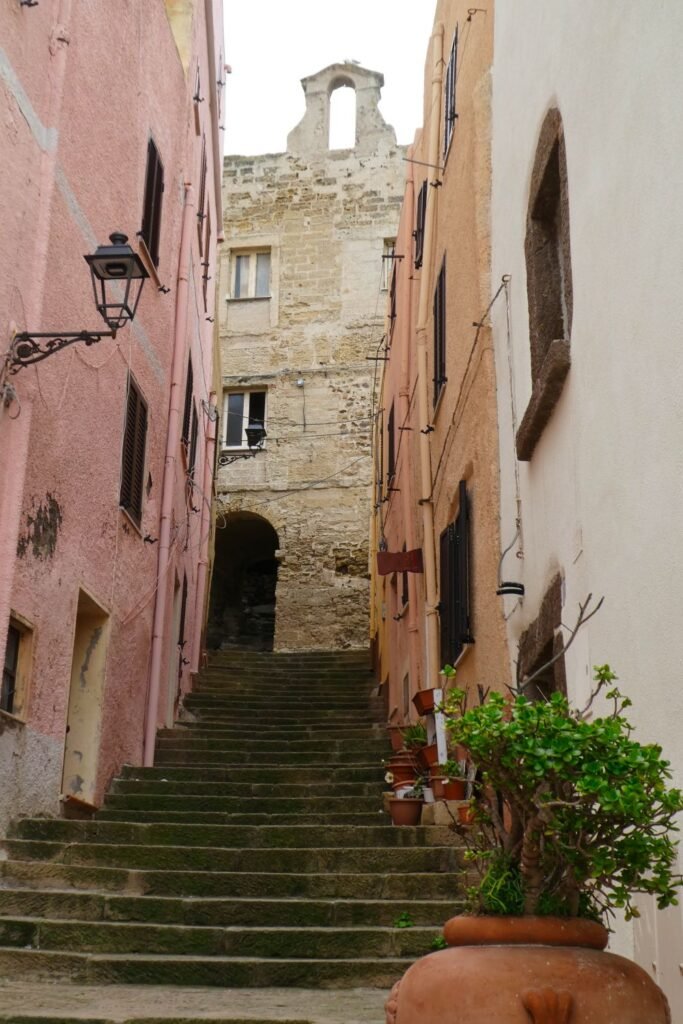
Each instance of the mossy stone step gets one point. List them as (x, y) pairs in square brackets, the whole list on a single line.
[(228, 972), (177, 1018), (257, 885), (228, 836), (270, 804), (188, 940), (218, 818), (159, 791), (381, 859), (280, 913), (238, 773), (316, 758), (276, 731), (179, 739)]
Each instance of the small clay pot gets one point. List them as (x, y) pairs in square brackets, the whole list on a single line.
[(406, 811), (403, 773), (424, 702), (427, 756), (395, 737), (437, 783), (465, 814), (454, 789)]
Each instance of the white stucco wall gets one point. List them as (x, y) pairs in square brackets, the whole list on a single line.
[(602, 497)]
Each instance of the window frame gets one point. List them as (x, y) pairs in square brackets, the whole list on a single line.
[(455, 581), (440, 337), (388, 262), (131, 490), (450, 114), (253, 255), (152, 205), (420, 221), (246, 420), (18, 706)]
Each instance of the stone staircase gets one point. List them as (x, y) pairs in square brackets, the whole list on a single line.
[(254, 853)]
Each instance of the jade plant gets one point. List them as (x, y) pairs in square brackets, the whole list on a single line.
[(574, 815)]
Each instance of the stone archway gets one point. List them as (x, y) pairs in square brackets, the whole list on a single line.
[(242, 607)]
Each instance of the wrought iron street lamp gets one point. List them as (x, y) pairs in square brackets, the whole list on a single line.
[(256, 435), (118, 275)]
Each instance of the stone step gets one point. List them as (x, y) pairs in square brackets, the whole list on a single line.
[(303, 708), (229, 972), (179, 739), (271, 804), (215, 758), (247, 818), (269, 774), (381, 859), (277, 837), (124, 938), (157, 789), (275, 913), (327, 722), (257, 885), (275, 731)]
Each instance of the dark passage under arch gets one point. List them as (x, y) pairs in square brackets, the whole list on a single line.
[(242, 607)]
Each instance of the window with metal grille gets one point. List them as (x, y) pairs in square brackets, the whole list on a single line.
[(242, 409), (454, 582), (10, 670), (187, 410), (194, 434), (449, 112), (133, 457), (151, 211), (391, 446), (440, 333), (419, 232)]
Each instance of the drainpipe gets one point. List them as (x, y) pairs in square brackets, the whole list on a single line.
[(169, 480), (207, 484), (426, 281)]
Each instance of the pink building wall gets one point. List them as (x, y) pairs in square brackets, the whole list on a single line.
[(82, 89)]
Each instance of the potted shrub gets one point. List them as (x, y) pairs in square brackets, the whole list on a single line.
[(452, 782), (406, 809), (572, 817)]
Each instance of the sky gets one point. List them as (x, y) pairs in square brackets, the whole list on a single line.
[(272, 44)]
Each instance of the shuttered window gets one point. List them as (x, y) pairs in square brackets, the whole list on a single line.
[(455, 583), (420, 217), (151, 213), (187, 410), (449, 94), (392, 301), (194, 431), (181, 626), (391, 446), (440, 333), (201, 202), (9, 672), (133, 458)]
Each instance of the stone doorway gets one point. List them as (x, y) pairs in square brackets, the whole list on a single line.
[(242, 608)]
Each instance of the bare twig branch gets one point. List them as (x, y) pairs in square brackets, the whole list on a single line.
[(581, 620)]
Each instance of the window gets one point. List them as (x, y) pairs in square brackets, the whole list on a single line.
[(391, 447), (449, 94), (540, 643), (16, 668), (151, 212), (454, 582), (194, 433), (251, 275), (133, 457), (549, 282), (187, 409), (440, 333), (420, 217), (206, 277), (392, 302), (201, 201), (242, 409), (388, 262), (404, 585)]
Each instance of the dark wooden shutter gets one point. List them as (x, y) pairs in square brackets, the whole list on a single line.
[(151, 212), (419, 232), (392, 297), (183, 612), (193, 441), (446, 603), (201, 200), (461, 617), (440, 333), (189, 386), (133, 457), (391, 446), (449, 96), (9, 672)]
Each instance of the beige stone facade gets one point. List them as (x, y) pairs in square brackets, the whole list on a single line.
[(301, 308)]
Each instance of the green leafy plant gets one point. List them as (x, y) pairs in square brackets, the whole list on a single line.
[(416, 791), (573, 814), (450, 770), (438, 942), (414, 736), (404, 920)]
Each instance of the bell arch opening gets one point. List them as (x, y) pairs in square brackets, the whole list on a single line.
[(242, 604), (342, 128)]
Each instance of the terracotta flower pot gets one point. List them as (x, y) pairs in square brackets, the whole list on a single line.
[(525, 970), (403, 772), (465, 814), (454, 789), (437, 783), (396, 785), (427, 756), (395, 737), (424, 702), (406, 811)]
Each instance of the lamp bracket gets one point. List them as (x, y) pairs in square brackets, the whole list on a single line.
[(249, 453), (32, 347)]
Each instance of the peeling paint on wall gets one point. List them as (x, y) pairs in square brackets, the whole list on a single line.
[(42, 528), (92, 644)]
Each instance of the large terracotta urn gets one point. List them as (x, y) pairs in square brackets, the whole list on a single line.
[(525, 970)]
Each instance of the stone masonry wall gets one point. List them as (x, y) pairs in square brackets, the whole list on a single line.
[(324, 216)]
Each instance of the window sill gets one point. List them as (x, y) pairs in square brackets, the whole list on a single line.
[(248, 298), (544, 397), (12, 720), (136, 526)]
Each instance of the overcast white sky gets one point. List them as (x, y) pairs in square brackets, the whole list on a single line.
[(272, 44)]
